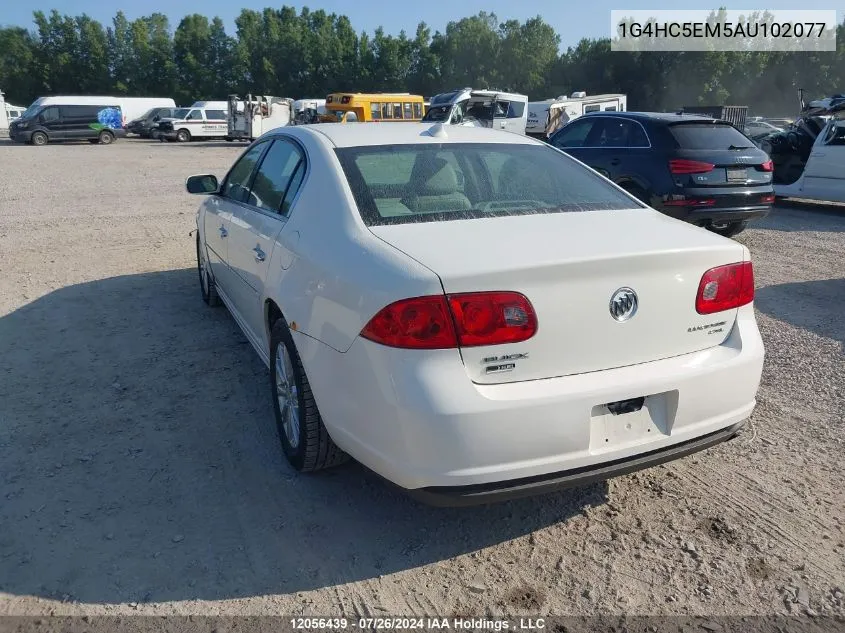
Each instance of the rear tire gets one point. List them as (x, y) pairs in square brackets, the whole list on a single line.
[(305, 440), (208, 288), (105, 138), (38, 138), (732, 228), (183, 136)]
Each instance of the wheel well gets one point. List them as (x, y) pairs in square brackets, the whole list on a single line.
[(272, 313), (629, 183)]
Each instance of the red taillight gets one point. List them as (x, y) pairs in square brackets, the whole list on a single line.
[(420, 323), (691, 202), (767, 166), (768, 198), (469, 320), (492, 318), (725, 287), (684, 166)]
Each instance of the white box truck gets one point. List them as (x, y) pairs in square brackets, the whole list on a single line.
[(479, 108), (249, 118)]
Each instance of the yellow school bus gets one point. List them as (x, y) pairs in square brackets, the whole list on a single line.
[(346, 107)]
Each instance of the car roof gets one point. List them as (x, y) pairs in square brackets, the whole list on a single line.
[(665, 117), (368, 134)]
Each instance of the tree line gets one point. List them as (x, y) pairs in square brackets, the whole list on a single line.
[(290, 53)]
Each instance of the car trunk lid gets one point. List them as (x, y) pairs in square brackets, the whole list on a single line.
[(569, 265)]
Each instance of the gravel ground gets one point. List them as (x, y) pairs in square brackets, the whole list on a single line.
[(140, 470)]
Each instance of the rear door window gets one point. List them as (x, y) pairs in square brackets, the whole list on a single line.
[(708, 136), (215, 114), (274, 175), (238, 180)]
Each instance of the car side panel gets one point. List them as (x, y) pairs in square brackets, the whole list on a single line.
[(338, 273)]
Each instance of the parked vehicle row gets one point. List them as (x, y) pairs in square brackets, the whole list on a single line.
[(687, 166), (354, 260), (96, 119)]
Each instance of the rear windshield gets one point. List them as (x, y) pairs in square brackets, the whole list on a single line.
[(402, 184), (708, 136)]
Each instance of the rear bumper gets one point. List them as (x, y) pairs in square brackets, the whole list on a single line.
[(726, 206), (421, 423), (519, 488)]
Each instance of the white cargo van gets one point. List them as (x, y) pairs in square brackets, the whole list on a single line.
[(480, 108), (249, 118), (545, 117), (211, 105)]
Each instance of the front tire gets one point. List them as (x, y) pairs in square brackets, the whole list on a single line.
[(183, 136), (207, 286), (305, 440), (38, 138), (731, 229), (105, 138)]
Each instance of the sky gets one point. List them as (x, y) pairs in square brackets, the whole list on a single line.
[(572, 20)]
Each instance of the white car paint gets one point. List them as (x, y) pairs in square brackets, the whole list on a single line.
[(823, 177), (430, 418)]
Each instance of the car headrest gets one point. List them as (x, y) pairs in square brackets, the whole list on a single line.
[(434, 177)]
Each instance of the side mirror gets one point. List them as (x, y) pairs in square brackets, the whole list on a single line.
[(202, 185), (156, 118)]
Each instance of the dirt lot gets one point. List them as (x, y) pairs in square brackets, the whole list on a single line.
[(140, 470)]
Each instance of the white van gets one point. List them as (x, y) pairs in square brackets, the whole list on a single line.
[(192, 123), (480, 108), (131, 107), (545, 117), (211, 105), (13, 112)]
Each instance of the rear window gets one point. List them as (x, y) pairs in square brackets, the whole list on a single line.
[(403, 184), (708, 136)]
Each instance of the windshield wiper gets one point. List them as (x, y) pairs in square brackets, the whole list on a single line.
[(741, 147)]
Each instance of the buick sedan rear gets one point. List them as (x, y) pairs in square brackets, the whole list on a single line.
[(472, 314)]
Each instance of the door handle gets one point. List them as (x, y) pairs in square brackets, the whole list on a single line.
[(817, 154), (260, 256), (615, 161), (223, 231)]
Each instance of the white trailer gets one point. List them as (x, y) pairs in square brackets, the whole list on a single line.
[(251, 117), (4, 117), (546, 117), (479, 108), (308, 110)]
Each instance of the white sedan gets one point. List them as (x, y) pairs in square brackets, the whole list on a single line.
[(473, 314)]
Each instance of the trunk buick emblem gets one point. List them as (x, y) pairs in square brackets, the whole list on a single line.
[(623, 304)]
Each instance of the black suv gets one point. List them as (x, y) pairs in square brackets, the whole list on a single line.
[(690, 167), (145, 125)]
